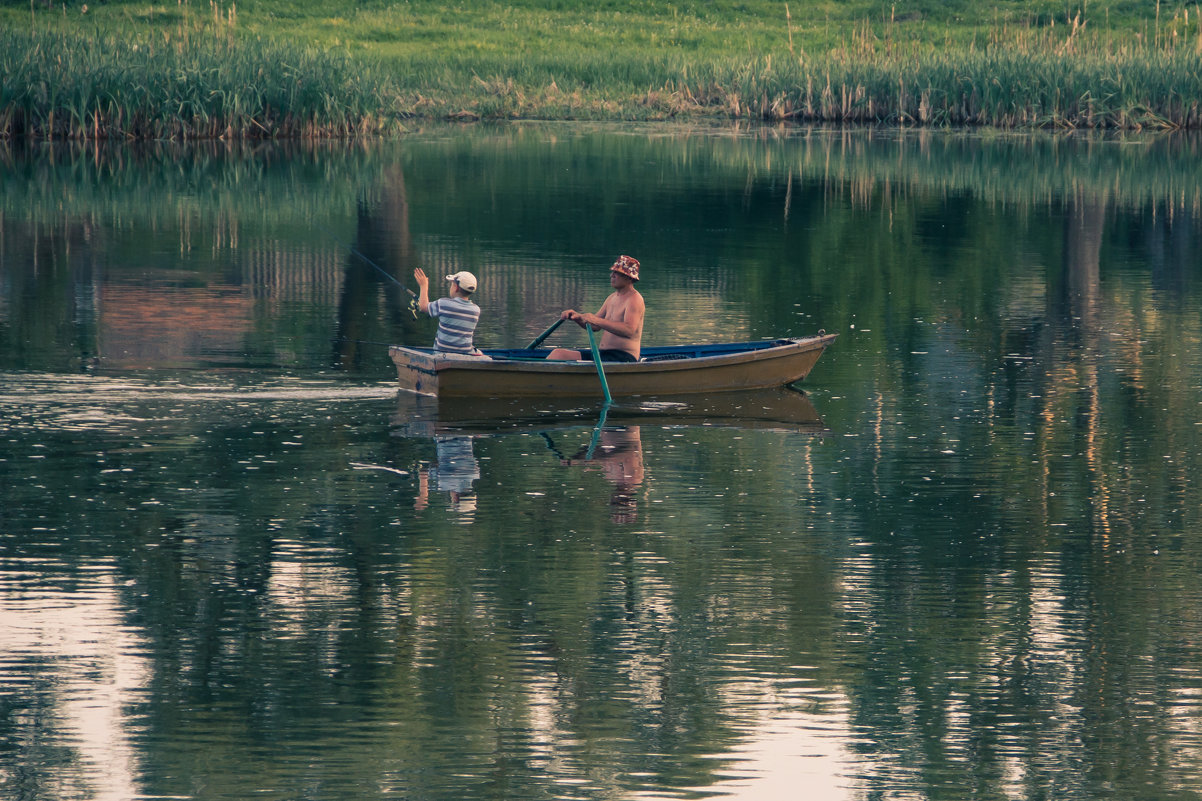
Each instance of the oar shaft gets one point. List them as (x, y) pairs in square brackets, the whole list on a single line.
[(592, 342), (539, 339)]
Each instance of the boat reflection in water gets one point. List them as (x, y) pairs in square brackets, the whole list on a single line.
[(782, 409), (615, 448)]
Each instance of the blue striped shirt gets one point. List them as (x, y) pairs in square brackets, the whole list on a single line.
[(457, 318)]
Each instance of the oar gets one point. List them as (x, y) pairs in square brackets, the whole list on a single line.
[(551, 446), (539, 339), (592, 342)]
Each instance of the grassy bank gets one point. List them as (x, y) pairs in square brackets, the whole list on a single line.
[(285, 69)]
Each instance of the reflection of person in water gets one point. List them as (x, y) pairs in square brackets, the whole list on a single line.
[(619, 454), (457, 468)]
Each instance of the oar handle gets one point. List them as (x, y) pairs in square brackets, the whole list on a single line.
[(539, 339), (592, 343)]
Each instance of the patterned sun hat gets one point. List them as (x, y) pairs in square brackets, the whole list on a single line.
[(627, 266)]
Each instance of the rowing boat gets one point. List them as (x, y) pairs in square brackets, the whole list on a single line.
[(671, 370)]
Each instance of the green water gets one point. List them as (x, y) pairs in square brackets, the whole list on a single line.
[(236, 563)]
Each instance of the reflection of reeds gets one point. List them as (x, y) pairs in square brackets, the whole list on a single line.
[(1130, 170)]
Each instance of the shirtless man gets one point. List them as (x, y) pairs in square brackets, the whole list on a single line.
[(620, 318)]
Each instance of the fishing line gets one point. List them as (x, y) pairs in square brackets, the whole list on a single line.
[(361, 341)]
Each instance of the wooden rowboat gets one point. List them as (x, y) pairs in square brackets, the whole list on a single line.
[(677, 370)]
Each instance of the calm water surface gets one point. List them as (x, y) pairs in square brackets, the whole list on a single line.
[(236, 563)]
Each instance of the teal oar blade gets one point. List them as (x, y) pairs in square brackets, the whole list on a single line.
[(539, 339), (592, 341)]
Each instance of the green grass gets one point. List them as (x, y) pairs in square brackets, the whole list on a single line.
[(274, 68)]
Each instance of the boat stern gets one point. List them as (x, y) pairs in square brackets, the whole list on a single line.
[(416, 370)]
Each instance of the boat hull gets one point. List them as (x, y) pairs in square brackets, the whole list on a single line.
[(664, 371)]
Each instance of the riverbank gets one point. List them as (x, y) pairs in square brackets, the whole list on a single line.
[(275, 69)]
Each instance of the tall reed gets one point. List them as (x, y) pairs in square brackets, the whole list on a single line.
[(998, 87), (77, 86), (193, 78)]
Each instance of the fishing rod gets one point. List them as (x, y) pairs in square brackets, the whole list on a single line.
[(381, 270)]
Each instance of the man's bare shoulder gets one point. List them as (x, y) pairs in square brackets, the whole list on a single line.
[(629, 298), (632, 303)]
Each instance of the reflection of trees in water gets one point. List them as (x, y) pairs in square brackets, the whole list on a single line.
[(590, 655), (301, 623), (1123, 429), (1099, 373), (1033, 601), (1007, 637), (508, 189), (48, 288), (1072, 357), (383, 237)]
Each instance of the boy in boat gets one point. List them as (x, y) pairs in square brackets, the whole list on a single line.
[(457, 315), (620, 318)]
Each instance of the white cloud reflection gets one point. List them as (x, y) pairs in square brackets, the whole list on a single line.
[(791, 752), (70, 661)]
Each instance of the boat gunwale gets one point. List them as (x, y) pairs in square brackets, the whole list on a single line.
[(779, 347)]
